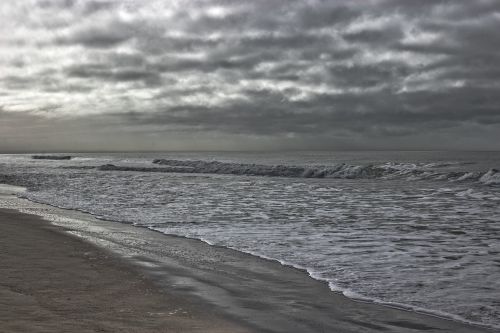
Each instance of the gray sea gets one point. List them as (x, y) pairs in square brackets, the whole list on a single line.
[(420, 230)]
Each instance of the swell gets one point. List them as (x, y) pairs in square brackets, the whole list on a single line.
[(390, 170), (430, 171)]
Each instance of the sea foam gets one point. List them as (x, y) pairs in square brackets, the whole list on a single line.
[(387, 170)]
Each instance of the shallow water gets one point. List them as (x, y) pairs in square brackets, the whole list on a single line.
[(421, 236)]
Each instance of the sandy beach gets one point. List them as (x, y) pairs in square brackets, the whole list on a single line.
[(52, 282), (137, 280)]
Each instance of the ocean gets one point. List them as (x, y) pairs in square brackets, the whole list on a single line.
[(419, 230)]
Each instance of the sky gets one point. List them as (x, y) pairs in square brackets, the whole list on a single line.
[(104, 75)]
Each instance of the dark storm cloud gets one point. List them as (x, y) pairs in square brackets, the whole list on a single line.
[(45, 80), (376, 36), (85, 7), (102, 72), (53, 4), (91, 7), (319, 15), (107, 36), (365, 76), (380, 113), (273, 69)]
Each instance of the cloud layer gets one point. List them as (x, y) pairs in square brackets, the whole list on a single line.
[(203, 73)]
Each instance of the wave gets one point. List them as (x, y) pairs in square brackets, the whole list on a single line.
[(492, 177), (348, 293), (50, 157), (316, 275), (112, 167), (407, 171), (389, 170)]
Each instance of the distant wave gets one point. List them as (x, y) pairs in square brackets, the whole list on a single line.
[(342, 170), (50, 157), (492, 177), (112, 167), (408, 171)]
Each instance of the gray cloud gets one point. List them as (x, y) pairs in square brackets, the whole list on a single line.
[(287, 72), (108, 36), (380, 37), (104, 73)]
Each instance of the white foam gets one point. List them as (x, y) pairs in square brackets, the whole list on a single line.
[(352, 234), (492, 177), (6, 189)]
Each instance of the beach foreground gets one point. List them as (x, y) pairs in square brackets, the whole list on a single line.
[(129, 279), (52, 282)]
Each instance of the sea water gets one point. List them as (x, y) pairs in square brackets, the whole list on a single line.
[(415, 229)]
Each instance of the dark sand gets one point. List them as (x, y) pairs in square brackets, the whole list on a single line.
[(53, 282)]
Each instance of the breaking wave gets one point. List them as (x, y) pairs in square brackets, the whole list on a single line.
[(407, 171), (112, 167)]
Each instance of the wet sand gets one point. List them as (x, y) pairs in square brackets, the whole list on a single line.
[(121, 278), (53, 282)]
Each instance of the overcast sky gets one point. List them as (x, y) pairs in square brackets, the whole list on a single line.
[(259, 74)]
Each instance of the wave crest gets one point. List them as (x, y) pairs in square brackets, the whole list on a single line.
[(342, 170)]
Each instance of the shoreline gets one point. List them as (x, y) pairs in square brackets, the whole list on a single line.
[(54, 282), (362, 299), (251, 289)]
